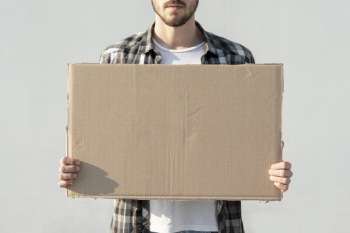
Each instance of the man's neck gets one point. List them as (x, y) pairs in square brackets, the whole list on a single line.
[(182, 37)]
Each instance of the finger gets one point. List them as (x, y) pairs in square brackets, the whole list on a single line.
[(281, 165), (65, 183), (68, 168), (281, 173), (69, 161), (67, 176), (281, 180), (282, 187)]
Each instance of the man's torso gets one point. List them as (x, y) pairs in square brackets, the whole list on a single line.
[(134, 215)]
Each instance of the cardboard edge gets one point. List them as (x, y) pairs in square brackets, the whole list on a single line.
[(177, 198), (67, 118), (281, 127), (109, 64), (282, 90)]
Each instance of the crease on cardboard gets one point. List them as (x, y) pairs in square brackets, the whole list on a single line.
[(194, 112), (135, 95), (247, 67), (185, 136)]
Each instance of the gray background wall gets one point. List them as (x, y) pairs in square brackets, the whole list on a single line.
[(38, 38)]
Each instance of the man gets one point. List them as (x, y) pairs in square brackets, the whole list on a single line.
[(176, 38)]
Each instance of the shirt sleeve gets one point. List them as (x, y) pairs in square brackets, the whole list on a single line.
[(249, 58), (104, 58)]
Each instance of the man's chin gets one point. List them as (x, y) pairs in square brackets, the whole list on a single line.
[(174, 23)]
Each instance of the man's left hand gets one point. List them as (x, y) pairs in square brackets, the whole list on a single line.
[(280, 174)]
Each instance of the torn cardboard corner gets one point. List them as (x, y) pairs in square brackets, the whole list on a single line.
[(177, 132)]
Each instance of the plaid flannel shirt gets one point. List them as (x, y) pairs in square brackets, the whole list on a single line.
[(132, 216)]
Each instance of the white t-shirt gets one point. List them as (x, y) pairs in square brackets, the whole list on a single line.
[(174, 216)]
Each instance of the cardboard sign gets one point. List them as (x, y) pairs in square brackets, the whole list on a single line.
[(177, 132)]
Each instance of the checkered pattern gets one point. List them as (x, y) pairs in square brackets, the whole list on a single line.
[(132, 216)]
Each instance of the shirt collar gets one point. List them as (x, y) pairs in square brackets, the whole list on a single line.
[(209, 41)]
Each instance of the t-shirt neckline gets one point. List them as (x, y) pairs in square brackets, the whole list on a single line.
[(177, 50)]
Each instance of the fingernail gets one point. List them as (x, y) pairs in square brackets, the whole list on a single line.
[(270, 177), (77, 162), (78, 168), (75, 175)]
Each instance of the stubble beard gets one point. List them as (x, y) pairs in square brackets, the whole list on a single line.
[(174, 20)]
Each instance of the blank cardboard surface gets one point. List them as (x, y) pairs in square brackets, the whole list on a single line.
[(178, 132)]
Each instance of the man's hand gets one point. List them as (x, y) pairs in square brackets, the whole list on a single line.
[(68, 171), (280, 174)]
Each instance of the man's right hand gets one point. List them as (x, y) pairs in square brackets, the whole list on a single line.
[(68, 171)]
